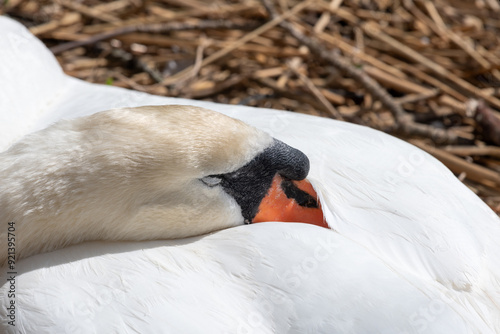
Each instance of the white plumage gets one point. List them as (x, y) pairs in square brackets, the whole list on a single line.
[(412, 250)]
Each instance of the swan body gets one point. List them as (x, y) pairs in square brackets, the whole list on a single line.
[(411, 249)]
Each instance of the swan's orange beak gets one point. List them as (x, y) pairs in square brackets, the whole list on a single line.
[(291, 201)]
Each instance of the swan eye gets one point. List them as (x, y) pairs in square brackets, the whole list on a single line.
[(211, 181)]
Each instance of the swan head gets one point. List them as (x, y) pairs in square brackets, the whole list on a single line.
[(153, 172)]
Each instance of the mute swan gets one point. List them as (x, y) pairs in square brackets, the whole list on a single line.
[(160, 172), (411, 249)]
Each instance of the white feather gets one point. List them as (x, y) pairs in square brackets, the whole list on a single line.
[(412, 250)]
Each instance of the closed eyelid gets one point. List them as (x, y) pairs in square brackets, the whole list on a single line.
[(211, 180)]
